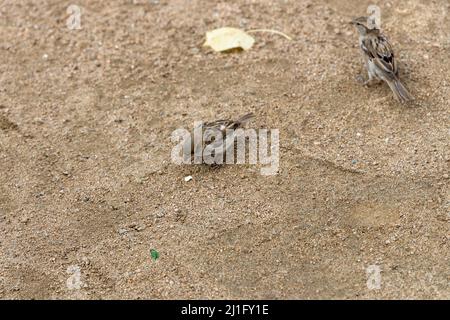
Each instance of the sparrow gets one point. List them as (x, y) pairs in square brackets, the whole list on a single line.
[(224, 129), (379, 58)]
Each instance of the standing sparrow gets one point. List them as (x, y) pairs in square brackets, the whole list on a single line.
[(218, 136), (379, 58)]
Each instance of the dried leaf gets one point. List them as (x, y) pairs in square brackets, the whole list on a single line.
[(228, 38)]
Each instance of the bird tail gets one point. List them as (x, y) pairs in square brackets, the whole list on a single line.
[(399, 90)]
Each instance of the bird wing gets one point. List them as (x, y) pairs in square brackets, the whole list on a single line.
[(380, 52)]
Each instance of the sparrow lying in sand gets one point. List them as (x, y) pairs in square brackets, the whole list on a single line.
[(211, 130), (380, 59)]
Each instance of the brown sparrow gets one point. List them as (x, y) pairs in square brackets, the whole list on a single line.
[(380, 59)]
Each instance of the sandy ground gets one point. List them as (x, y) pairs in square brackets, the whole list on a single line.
[(87, 187)]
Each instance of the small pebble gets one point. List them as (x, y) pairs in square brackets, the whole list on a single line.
[(188, 178)]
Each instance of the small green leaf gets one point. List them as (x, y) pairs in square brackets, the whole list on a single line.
[(154, 254)]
